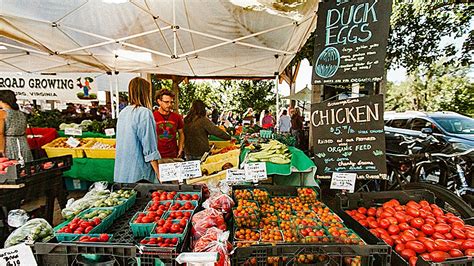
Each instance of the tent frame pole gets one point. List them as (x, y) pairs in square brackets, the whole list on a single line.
[(112, 110), (277, 104)]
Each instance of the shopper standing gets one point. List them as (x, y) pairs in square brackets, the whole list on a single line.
[(284, 123), (137, 153), (168, 125), (297, 127), (268, 121), (197, 128), (12, 129)]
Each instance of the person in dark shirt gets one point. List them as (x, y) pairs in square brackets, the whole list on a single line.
[(197, 128), (297, 127)]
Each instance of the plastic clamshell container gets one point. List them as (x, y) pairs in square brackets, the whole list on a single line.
[(264, 239), (52, 151), (168, 213), (161, 202), (251, 204), (99, 153), (252, 232), (179, 236), (251, 220), (307, 194), (261, 195)]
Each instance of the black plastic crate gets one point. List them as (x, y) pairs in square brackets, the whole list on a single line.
[(375, 199), (17, 174), (123, 248), (291, 254)]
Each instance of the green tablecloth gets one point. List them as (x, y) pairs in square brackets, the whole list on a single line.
[(288, 174), (85, 134), (92, 169)]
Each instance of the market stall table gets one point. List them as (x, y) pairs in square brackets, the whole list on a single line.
[(47, 183)]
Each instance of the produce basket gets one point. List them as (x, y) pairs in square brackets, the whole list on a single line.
[(178, 195), (376, 199), (140, 229), (106, 222), (99, 153), (53, 151), (179, 236)]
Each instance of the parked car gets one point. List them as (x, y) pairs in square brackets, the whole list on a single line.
[(455, 132)]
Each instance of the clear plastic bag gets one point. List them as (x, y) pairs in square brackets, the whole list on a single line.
[(206, 219), (17, 218), (220, 202), (215, 240), (97, 192), (37, 229)]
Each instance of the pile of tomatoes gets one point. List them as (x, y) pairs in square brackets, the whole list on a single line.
[(80, 226), (418, 228), (92, 238)]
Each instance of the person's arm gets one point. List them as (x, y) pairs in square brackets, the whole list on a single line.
[(146, 133), (214, 130), (181, 142)]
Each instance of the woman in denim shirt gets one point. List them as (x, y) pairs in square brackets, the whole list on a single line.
[(137, 153)]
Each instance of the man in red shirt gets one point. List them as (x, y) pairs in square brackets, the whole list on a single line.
[(168, 124)]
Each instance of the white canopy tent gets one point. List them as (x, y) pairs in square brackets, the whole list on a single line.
[(193, 38)]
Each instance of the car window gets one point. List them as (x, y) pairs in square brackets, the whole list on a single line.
[(399, 123), (456, 125), (418, 123)]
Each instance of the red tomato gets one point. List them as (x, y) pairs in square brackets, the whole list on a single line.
[(373, 224), (399, 248), (458, 233), (391, 203), (104, 237), (147, 220), (375, 233), (371, 211), (417, 222), (437, 212), (438, 256), (429, 245), (449, 236), (400, 217), (384, 223), (430, 220), (413, 204), (362, 210), (437, 235), (382, 231), (417, 246), (379, 212), (404, 226), (442, 228), (426, 256), (387, 239), (393, 229), (469, 252), (364, 223), (413, 212), (468, 244), (385, 214), (455, 253), (443, 245), (88, 229), (412, 261), (424, 203), (427, 229), (392, 220), (407, 237), (407, 253)]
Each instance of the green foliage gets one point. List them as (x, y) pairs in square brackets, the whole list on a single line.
[(255, 94), (418, 28), (439, 87), (208, 92), (50, 118)]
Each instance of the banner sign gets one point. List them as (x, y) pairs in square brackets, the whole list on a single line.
[(349, 137), (351, 41), (64, 87)]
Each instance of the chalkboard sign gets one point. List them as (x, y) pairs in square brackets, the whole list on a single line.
[(349, 137), (351, 41)]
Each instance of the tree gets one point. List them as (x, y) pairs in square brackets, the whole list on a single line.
[(208, 92), (446, 88), (255, 94)]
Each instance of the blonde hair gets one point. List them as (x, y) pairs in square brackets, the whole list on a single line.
[(139, 93)]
